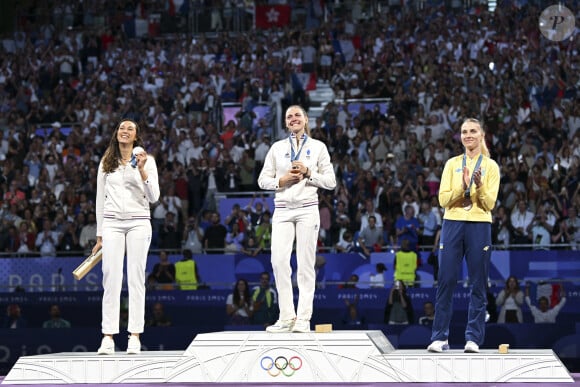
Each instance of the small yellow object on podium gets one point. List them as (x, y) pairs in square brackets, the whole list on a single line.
[(323, 328), (503, 348)]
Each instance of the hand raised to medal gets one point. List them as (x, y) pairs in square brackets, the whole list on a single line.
[(292, 177)]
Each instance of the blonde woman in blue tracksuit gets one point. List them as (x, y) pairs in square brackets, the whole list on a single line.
[(468, 192), (124, 191), (295, 168)]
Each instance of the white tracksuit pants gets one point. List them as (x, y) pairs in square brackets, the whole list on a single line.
[(304, 224), (134, 236)]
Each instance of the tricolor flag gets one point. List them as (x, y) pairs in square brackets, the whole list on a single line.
[(174, 6), (268, 16), (304, 81)]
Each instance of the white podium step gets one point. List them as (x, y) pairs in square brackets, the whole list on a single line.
[(339, 356)]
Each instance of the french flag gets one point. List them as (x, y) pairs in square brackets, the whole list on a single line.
[(174, 6), (304, 81)]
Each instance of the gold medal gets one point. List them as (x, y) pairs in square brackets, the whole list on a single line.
[(467, 204)]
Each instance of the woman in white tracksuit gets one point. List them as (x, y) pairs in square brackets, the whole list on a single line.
[(295, 168), (127, 182)]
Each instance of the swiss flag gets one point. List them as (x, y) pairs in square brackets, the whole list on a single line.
[(268, 16)]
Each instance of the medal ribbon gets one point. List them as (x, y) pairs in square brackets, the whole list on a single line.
[(293, 155), (477, 164)]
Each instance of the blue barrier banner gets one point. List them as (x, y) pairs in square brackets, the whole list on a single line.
[(329, 298), (221, 271)]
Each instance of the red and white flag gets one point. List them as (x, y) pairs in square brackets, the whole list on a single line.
[(268, 16)]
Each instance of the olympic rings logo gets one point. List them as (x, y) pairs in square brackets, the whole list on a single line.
[(281, 365)]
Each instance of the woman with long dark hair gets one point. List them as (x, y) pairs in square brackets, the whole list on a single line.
[(127, 182), (239, 304)]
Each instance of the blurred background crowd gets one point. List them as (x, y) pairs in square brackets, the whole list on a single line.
[(414, 70)]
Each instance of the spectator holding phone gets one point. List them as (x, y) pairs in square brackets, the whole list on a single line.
[(399, 309)]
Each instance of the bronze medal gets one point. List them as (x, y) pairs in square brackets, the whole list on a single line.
[(467, 204)]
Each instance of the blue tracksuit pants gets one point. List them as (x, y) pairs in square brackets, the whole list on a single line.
[(471, 240)]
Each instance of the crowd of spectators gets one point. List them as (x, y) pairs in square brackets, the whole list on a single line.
[(64, 85)]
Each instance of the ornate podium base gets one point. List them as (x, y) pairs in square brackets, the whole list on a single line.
[(261, 357)]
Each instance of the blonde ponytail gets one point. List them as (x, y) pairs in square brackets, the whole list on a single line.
[(484, 149)]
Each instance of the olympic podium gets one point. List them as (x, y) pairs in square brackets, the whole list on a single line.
[(261, 357)]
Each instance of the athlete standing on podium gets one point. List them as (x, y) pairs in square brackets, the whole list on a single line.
[(468, 192), (127, 182), (295, 168)]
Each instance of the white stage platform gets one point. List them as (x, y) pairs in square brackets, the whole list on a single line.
[(244, 357)]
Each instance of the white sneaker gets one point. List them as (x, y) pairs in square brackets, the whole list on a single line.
[(302, 326), (281, 326), (134, 345), (471, 347), (438, 346), (107, 346)]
